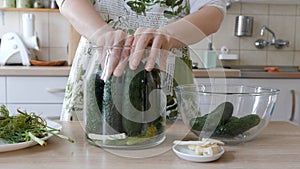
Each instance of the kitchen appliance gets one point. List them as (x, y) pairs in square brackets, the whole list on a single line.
[(17, 49)]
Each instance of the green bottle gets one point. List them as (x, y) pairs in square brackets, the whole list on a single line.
[(210, 58)]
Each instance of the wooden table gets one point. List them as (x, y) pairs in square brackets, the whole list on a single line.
[(278, 147)]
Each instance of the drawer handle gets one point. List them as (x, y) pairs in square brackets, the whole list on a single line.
[(55, 90), (293, 105)]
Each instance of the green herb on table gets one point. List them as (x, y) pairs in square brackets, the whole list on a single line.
[(25, 127)]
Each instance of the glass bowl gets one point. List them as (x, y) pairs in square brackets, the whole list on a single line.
[(231, 113)]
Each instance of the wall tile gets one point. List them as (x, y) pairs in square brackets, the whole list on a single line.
[(235, 8), (280, 58), (298, 10), (52, 30), (197, 56), (223, 63), (297, 32), (58, 30), (247, 43), (253, 57), (43, 54), (284, 28), (57, 53), (283, 9), (40, 27), (254, 9), (225, 35), (202, 44), (297, 58), (11, 23)]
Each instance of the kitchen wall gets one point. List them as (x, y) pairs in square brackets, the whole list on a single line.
[(284, 20), (52, 30)]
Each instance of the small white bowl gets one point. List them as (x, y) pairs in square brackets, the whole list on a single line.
[(182, 151)]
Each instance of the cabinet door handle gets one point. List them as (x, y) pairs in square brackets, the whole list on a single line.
[(55, 90), (293, 105)]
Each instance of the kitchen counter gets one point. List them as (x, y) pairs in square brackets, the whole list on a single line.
[(64, 71), (198, 73), (271, 75), (240, 73), (34, 70), (278, 147), (216, 73)]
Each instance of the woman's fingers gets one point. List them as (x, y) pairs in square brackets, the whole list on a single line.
[(152, 43), (147, 43), (159, 52), (113, 46), (125, 53), (142, 38)]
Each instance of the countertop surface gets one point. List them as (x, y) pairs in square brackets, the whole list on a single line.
[(216, 73), (278, 147), (64, 71), (34, 70), (198, 73)]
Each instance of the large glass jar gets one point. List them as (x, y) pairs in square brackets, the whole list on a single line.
[(126, 112)]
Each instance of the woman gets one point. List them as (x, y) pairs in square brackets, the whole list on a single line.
[(161, 24)]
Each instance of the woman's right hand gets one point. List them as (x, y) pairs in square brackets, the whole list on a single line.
[(114, 52)]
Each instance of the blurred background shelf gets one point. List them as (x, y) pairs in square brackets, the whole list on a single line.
[(30, 9)]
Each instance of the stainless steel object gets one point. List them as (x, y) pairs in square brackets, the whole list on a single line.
[(278, 43), (260, 43), (53, 4), (243, 25), (228, 4), (262, 32)]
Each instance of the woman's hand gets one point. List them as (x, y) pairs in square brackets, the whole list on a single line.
[(159, 43), (117, 48), (114, 48)]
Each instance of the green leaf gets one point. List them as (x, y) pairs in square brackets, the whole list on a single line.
[(169, 2), (178, 3)]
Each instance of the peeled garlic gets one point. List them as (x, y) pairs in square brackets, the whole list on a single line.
[(205, 147)]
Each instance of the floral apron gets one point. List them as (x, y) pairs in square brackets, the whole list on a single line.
[(121, 15)]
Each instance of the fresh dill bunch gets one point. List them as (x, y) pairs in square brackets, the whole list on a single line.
[(25, 127)]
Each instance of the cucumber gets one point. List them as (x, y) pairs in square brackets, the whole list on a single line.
[(220, 115), (93, 96), (239, 125), (111, 117), (133, 101), (139, 84), (198, 122)]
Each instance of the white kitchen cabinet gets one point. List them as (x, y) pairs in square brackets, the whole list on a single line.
[(288, 100), (283, 109), (43, 95), (51, 111), (284, 105), (35, 89), (204, 80), (2, 90)]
